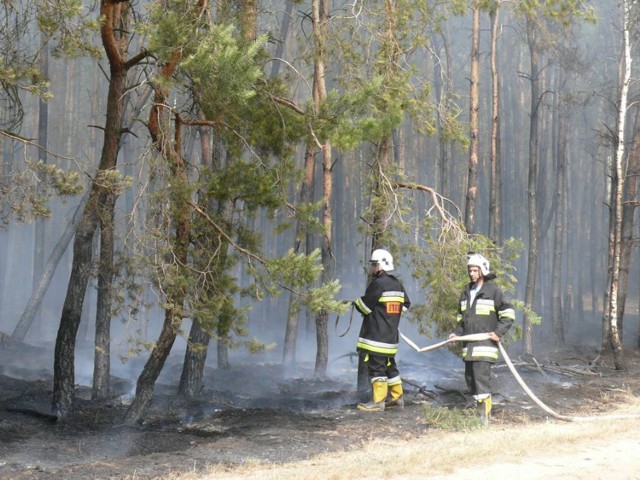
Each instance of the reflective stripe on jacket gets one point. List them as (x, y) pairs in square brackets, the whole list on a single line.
[(382, 305), (490, 312)]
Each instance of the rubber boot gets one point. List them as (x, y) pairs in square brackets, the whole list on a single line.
[(379, 395), (484, 409), (396, 399)]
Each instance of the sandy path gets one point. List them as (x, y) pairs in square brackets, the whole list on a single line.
[(609, 459)]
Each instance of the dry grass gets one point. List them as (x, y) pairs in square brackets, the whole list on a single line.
[(437, 452)]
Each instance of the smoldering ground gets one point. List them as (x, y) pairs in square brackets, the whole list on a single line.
[(260, 411)]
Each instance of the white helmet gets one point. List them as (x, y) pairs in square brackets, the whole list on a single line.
[(477, 260), (383, 259)]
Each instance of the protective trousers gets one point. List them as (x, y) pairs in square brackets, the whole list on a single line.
[(385, 379), (478, 377)]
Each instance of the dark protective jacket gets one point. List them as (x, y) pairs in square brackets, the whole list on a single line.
[(490, 312), (382, 305)]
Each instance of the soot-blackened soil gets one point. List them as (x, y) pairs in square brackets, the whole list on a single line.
[(261, 413)]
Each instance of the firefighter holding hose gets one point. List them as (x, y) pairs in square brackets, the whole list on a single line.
[(483, 308), (381, 306)]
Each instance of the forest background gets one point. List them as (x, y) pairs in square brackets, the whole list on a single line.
[(180, 171)]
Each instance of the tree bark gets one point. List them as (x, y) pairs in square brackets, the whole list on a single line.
[(556, 269), (195, 357), (495, 190), (170, 149), (106, 274), (43, 142), (306, 197), (320, 15), (114, 15), (472, 175), (442, 89), (615, 236), (628, 213), (532, 181), (158, 128), (191, 379)]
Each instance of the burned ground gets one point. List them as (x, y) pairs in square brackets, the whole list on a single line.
[(263, 413)]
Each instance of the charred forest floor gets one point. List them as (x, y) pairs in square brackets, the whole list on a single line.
[(259, 413)]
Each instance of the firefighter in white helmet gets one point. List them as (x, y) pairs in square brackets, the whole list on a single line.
[(483, 308), (382, 305)]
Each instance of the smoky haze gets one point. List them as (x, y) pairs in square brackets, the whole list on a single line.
[(79, 101)]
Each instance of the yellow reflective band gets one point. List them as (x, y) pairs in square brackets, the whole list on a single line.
[(392, 297), (485, 302), (508, 313), (374, 349), (362, 307), (481, 352)]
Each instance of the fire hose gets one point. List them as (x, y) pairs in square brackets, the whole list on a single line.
[(485, 336)]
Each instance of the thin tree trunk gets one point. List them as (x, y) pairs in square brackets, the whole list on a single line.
[(442, 87), (158, 128), (284, 32), (556, 269), (43, 142), (617, 191), (306, 197), (495, 190), (320, 15), (628, 212), (170, 148), (532, 263), (114, 15), (195, 357), (472, 177), (248, 27)]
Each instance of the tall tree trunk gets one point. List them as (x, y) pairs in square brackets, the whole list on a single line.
[(284, 33), (114, 15), (532, 181), (102, 354), (556, 269), (628, 213), (160, 133), (320, 15), (472, 176), (615, 235), (306, 197), (64, 356), (159, 129), (195, 357), (43, 141), (442, 88), (170, 148), (495, 189)]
